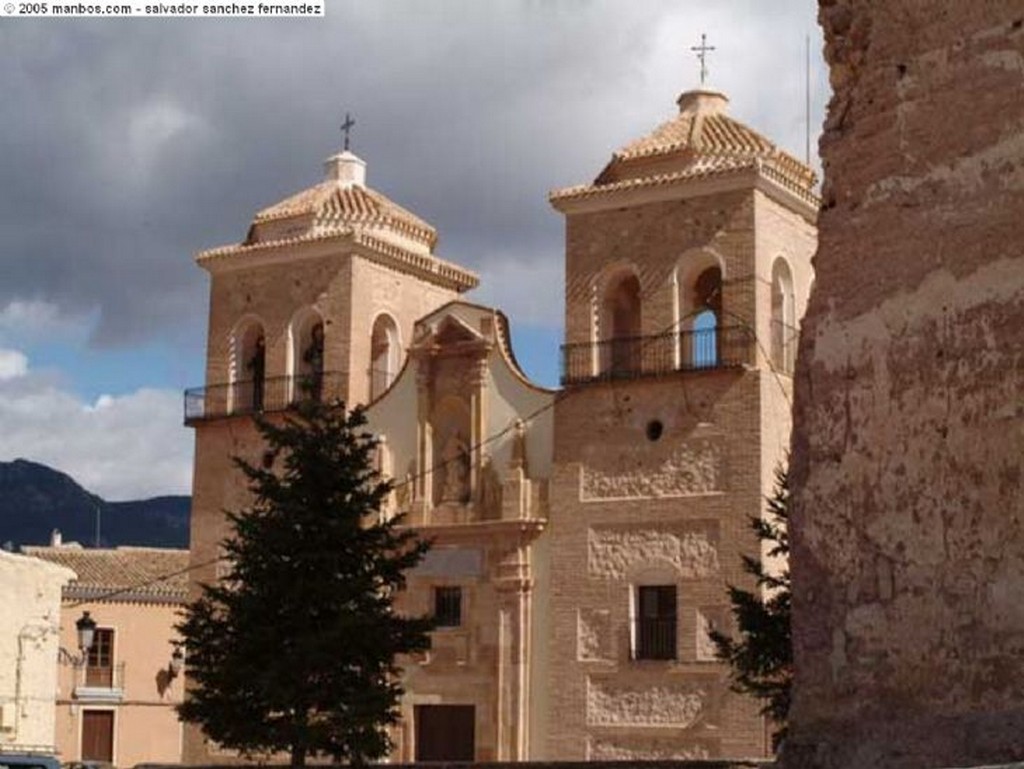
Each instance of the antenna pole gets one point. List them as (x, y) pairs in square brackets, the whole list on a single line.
[(807, 100)]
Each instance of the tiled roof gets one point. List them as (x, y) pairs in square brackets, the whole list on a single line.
[(331, 204), (447, 273), (121, 574), (702, 134), (700, 142)]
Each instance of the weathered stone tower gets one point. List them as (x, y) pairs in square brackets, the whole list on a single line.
[(687, 270), (908, 547), (319, 300)]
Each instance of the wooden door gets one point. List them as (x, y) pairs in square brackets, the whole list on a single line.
[(445, 732), (98, 735)]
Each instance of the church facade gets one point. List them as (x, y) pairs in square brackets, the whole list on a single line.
[(584, 537)]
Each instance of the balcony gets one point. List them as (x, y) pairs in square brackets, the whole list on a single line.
[(643, 356), (101, 683), (260, 397)]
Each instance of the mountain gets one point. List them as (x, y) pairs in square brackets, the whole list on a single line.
[(35, 499)]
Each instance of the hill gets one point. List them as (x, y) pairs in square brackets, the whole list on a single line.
[(35, 499)]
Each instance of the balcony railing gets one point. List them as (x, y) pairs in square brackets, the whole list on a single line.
[(260, 397), (640, 356), (101, 682), (655, 638)]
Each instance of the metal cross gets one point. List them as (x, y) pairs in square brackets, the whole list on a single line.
[(346, 127), (702, 53)]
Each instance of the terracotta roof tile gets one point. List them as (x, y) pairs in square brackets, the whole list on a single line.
[(701, 141), (331, 204), (702, 134), (136, 573)]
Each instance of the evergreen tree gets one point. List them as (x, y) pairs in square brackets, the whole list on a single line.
[(762, 658), (295, 650)]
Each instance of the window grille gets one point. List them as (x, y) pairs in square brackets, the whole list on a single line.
[(656, 623), (448, 606)]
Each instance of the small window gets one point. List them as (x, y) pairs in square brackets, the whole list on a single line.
[(655, 622), (448, 606)]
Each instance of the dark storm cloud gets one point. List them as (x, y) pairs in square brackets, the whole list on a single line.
[(128, 145)]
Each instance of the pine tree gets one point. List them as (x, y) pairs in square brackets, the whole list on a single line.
[(295, 650), (761, 660)]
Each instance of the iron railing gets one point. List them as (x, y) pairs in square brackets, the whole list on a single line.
[(260, 396), (639, 356), (99, 680), (655, 638)]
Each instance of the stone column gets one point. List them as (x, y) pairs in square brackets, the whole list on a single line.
[(908, 512), (513, 585)]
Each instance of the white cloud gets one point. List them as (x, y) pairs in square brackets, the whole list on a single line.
[(13, 364), (38, 319), (120, 447)]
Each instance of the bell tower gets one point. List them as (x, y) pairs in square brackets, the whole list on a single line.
[(687, 269), (318, 301)]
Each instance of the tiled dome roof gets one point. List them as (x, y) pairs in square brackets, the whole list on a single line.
[(699, 142), (341, 200)]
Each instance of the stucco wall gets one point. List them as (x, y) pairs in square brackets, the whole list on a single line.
[(907, 539), (146, 726), (30, 608)]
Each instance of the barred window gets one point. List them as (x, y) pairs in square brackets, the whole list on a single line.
[(655, 637), (448, 606)]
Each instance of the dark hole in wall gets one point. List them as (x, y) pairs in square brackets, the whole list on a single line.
[(654, 429)]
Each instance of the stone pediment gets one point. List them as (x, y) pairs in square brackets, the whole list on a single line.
[(450, 333)]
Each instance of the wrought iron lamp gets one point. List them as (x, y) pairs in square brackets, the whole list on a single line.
[(85, 626), (177, 663)]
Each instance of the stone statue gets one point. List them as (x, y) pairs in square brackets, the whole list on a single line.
[(519, 459), (489, 497), (456, 462)]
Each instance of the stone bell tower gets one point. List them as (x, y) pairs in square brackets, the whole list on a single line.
[(687, 270), (319, 300)]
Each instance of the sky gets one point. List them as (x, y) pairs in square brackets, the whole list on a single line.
[(128, 145)]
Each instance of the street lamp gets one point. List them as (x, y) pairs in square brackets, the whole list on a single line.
[(177, 662), (86, 629)]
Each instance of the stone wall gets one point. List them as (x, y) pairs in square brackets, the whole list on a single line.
[(908, 546), (29, 642)]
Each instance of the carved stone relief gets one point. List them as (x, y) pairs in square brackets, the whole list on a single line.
[(640, 749), (691, 470), (679, 705), (613, 552), (594, 635), (708, 618)]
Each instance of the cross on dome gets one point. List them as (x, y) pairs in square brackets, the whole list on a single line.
[(702, 53), (346, 127)]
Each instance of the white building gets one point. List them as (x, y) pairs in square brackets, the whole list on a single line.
[(29, 647)]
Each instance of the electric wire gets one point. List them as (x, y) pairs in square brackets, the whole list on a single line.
[(557, 397)]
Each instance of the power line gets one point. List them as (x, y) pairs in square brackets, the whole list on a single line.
[(557, 397), (138, 586)]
